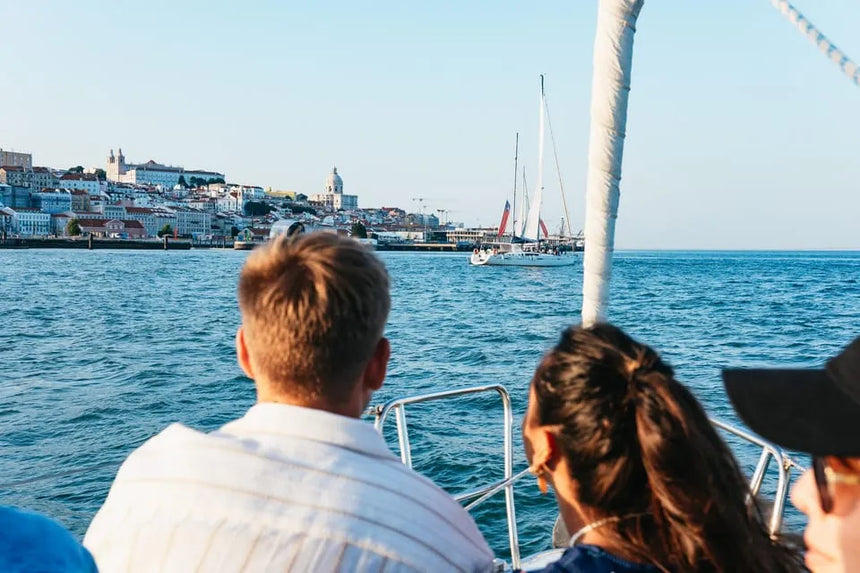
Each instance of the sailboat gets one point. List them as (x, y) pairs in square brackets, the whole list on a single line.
[(525, 249)]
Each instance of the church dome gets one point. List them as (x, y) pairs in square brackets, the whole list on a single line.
[(333, 183)]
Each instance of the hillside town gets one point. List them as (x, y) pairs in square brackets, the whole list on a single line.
[(149, 200)]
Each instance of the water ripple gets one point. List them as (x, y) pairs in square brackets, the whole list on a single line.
[(102, 349)]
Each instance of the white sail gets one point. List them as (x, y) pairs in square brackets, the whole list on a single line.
[(613, 58), (532, 225)]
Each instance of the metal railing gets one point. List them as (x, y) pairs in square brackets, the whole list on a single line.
[(398, 405), (785, 465)]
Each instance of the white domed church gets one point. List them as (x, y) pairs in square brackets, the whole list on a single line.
[(333, 197)]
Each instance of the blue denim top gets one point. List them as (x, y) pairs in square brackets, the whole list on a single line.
[(586, 558)]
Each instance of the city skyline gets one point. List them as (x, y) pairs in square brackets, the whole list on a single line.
[(739, 132)]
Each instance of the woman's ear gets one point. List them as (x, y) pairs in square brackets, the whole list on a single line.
[(553, 451)]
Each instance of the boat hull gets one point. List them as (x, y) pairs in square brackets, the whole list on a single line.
[(522, 259)]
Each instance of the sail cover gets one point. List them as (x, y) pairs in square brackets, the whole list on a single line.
[(610, 86)]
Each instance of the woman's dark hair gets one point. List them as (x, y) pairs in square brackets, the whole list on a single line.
[(639, 444)]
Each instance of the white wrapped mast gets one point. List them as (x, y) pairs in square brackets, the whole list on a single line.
[(610, 86)]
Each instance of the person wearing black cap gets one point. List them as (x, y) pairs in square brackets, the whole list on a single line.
[(818, 412)]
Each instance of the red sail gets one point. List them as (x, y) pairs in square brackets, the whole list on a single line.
[(543, 228), (503, 225)]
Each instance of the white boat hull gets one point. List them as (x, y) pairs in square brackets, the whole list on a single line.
[(522, 259)]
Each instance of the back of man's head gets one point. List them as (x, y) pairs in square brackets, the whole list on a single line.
[(314, 309)]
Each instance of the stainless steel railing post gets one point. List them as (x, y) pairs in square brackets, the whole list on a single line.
[(381, 413), (760, 470), (513, 536), (403, 435)]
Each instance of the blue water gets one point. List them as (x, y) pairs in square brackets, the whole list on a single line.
[(100, 350)]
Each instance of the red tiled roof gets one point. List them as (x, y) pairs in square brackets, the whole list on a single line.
[(79, 177), (140, 210), (12, 168)]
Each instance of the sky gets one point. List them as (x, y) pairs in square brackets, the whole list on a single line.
[(740, 134)]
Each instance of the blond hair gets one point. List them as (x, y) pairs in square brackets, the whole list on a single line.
[(314, 309)]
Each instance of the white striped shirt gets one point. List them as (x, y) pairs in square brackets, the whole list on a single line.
[(282, 488)]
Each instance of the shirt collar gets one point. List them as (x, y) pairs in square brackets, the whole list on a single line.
[(311, 424)]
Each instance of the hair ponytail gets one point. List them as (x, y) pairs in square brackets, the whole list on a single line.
[(638, 443)]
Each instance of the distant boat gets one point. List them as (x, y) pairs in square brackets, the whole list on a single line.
[(525, 249)]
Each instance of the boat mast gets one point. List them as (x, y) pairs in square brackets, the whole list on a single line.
[(516, 157), (610, 86), (532, 228)]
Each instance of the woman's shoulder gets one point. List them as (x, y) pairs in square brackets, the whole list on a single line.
[(593, 559)]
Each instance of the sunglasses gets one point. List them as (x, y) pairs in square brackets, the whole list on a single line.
[(825, 478)]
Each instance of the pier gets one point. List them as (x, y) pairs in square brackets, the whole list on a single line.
[(91, 243)]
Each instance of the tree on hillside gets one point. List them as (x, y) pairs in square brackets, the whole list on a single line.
[(182, 181), (359, 231), (165, 230), (101, 174), (73, 228), (257, 209), (76, 169)]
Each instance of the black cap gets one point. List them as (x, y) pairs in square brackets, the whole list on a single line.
[(814, 411)]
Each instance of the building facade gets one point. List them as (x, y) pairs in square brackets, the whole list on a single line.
[(193, 222), (31, 222), (333, 198), (15, 159), (152, 173), (52, 200), (112, 228), (43, 178), (15, 175), (83, 181)]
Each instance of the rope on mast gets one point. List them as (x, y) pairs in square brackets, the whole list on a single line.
[(814, 35), (558, 170)]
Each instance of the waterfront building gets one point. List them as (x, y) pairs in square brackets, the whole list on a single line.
[(146, 216), (152, 173), (193, 221), (164, 216), (6, 217), (113, 228), (83, 181), (15, 159), (333, 199), (52, 200), (222, 225), (31, 222), (59, 222), (477, 235)]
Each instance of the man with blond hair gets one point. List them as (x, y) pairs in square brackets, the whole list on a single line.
[(298, 483)]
